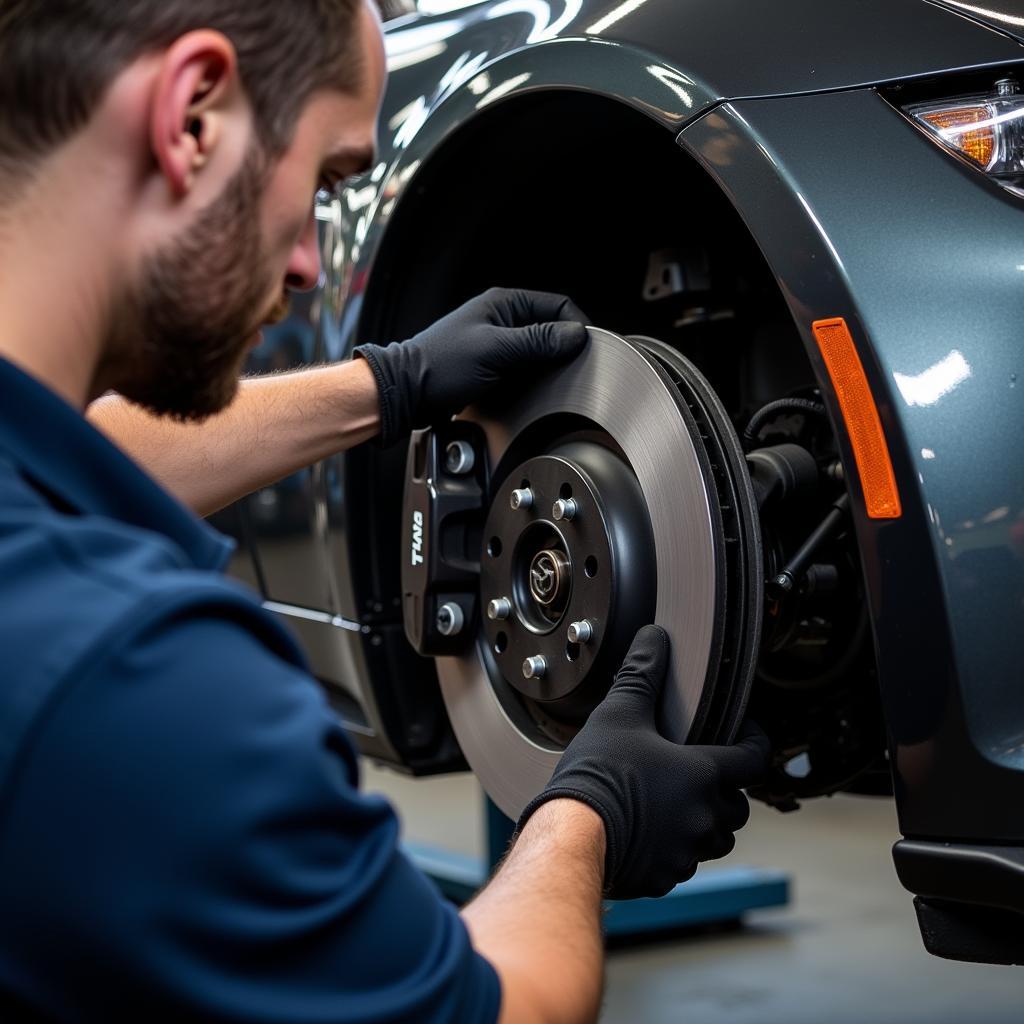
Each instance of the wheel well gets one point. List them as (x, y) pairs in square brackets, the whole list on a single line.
[(568, 192)]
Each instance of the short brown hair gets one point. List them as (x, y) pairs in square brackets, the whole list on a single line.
[(59, 57)]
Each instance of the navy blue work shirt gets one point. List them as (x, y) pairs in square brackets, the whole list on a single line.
[(181, 833)]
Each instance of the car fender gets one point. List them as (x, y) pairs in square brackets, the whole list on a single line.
[(860, 216)]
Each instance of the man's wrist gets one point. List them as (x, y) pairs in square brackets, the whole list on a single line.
[(390, 399), (565, 821)]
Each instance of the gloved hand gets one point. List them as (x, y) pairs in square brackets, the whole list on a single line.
[(665, 806), (490, 340)]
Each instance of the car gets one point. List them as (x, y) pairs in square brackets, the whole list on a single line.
[(793, 439)]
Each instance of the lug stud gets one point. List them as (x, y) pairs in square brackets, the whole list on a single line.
[(450, 619), (522, 497), (535, 667), (564, 510), (499, 608), (459, 458), (581, 632)]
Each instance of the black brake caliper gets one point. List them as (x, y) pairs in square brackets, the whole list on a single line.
[(445, 502)]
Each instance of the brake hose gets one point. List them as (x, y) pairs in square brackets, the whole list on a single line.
[(765, 413)]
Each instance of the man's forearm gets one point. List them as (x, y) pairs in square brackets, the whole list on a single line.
[(276, 425), (539, 920)]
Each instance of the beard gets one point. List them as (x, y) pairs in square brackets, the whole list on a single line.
[(181, 344)]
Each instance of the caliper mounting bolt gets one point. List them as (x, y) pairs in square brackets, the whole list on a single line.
[(535, 667), (450, 619), (522, 497), (564, 510), (581, 632), (499, 608), (459, 458)]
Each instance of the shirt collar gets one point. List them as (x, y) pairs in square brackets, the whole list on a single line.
[(59, 451)]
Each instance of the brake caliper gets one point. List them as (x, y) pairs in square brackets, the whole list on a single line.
[(445, 500)]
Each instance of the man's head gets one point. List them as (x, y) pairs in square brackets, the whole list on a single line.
[(204, 128)]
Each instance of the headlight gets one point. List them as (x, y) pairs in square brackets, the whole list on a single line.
[(986, 130)]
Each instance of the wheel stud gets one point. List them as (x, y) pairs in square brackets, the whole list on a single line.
[(499, 608), (564, 510), (581, 632), (522, 497), (535, 667)]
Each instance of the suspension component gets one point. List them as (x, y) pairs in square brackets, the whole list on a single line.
[(787, 577), (779, 471)]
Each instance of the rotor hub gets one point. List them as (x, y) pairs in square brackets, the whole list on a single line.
[(597, 567)]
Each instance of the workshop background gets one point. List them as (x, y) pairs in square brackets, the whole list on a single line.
[(846, 950)]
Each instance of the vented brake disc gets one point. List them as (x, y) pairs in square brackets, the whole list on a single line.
[(619, 496)]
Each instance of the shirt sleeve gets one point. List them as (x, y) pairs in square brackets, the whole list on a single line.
[(190, 844)]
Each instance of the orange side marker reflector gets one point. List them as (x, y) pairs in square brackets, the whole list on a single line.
[(863, 425)]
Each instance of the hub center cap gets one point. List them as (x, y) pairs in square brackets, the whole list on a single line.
[(550, 576)]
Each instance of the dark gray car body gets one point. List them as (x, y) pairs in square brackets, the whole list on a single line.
[(858, 215)]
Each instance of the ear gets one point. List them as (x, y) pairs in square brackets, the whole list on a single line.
[(198, 80)]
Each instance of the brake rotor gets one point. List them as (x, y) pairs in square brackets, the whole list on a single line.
[(619, 496)]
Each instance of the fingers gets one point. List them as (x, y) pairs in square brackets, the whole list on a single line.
[(549, 341), (570, 311), (518, 307), (645, 667), (746, 761), (731, 813), (749, 729), (735, 810), (724, 844)]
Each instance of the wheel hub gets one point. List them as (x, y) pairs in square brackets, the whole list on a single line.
[(547, 574)]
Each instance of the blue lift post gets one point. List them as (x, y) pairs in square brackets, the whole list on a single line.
[(714, 895)]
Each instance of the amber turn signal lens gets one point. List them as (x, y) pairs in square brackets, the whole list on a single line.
[(953, 124), (863, 425)]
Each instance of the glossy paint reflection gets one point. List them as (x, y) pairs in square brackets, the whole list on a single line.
[(1002, 12), (280, 515), (939, 379), (615, 15), (549, 19), (291, 521)]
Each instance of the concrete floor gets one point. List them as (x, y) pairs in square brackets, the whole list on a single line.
[(846, 951)]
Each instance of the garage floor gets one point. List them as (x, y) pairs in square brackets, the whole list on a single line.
[(846, 951)]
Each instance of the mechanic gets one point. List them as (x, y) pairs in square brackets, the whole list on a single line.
[(181, 830)]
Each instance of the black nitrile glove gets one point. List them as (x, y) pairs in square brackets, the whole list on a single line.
[(492, 339), (665, 806)]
